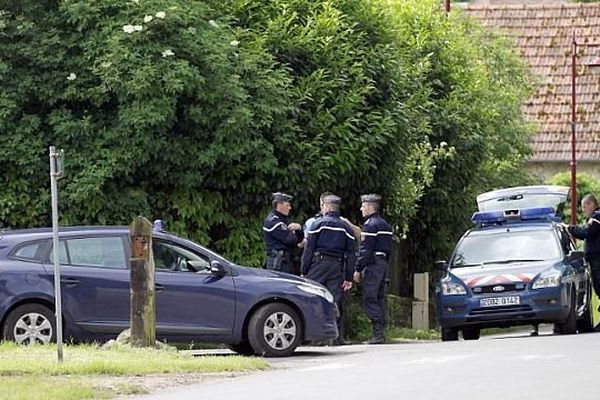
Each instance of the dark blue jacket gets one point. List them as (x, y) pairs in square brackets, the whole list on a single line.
[(375, 240), (276, 234), (590, 232), (330, 236)]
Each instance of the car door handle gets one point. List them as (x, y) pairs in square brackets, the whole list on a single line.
[(69, 281), (158, 288)]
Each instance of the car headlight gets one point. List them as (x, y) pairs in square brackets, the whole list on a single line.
[(319, 291), (450, 288), (547, 279)]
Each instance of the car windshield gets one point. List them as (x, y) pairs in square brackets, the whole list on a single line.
[(506, 247)]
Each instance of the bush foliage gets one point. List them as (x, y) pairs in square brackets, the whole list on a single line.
[(585, 184), (194, 111)]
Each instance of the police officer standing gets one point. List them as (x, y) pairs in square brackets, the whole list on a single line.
[(328, 256), (590, 232), (372, 262), (280, 236)]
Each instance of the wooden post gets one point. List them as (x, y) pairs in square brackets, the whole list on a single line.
[(420, 306), (143, 314)]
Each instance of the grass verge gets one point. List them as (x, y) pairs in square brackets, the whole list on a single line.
[(33, 372), (396, 334)]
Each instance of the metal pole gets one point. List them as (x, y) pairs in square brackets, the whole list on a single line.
[(54, 175), (573, 132)]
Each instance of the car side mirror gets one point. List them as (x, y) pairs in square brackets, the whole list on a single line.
[(441, 265), (575, 255), (217, 268)]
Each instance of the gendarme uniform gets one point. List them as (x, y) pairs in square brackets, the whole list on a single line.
[(373, 257), (329, 256), (590, 232), (279, 240)]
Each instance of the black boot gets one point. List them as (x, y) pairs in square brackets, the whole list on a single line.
[(378, 337)]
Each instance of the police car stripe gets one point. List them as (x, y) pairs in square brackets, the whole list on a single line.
[(273, 228), (377, 233), (331, 228)]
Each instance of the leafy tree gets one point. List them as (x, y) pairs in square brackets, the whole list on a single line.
[(194, 111), (159, 109), (476, 85)]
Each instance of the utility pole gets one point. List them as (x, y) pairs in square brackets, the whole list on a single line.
[(56, 172)]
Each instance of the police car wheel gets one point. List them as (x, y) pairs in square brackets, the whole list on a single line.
[(569, 326), (449, 334), (586, 322), (471, 333), (30, 324), (275, 330)]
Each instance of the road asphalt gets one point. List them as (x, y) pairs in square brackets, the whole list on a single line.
[(512, 366)]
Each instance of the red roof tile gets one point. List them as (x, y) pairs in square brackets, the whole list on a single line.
[(543, 34)]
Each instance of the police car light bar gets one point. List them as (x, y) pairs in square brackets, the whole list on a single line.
[(498, 216)]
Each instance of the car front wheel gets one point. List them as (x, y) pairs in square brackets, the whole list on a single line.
[(449, 334), (30, 324), (569, 326), (586, 322), (471, 333), (275, 330)]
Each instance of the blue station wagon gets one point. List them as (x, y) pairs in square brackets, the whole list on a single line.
[(517, 266), (200, 296)]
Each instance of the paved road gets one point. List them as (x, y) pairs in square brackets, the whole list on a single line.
[(505, 367)]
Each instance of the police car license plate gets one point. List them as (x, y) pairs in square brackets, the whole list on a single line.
[(500, 301)]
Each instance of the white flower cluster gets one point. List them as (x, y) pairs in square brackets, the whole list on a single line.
[(147, 18), (213, 23), (132, 28), (71, 77), (168, 53)]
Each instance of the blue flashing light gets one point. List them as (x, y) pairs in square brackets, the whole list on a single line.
[(526, 214), (158, 225), (538, 213), (488, 217)]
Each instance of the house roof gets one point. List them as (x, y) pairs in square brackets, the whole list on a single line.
[(544, 36)]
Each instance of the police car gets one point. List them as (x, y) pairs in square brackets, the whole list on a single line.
[(517, 266)]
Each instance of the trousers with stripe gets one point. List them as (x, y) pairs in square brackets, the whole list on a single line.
[(373, 291)]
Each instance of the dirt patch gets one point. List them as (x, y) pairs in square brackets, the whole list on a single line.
[(125, 386)]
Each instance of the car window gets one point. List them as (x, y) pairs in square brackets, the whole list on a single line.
[(506, 246), (170, 257), (62, 253), (103, 252), (29, 251), (566, 241)]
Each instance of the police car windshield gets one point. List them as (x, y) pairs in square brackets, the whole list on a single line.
[(506, 247)]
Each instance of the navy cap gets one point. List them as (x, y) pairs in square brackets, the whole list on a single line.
[(370, 198), (280, 196), (332, 199)]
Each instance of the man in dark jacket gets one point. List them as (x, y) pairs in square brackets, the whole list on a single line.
[(281, 236), (328, 256), (590, 233), (372, 262)]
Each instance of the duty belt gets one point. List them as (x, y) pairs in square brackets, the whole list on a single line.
[(323, 256)]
